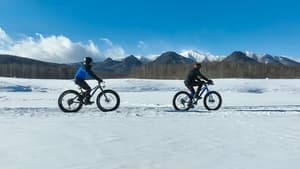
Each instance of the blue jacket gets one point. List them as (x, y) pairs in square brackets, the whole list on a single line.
[(84, 72)]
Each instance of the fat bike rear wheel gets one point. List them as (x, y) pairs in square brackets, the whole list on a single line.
[(182, 100), (70, 101)]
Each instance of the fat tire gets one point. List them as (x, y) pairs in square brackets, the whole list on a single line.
[(206, 97), (60, 105), (175, 97), (116, 96)]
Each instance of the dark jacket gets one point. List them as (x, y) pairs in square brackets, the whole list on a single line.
[(85, 72), (194, 77)]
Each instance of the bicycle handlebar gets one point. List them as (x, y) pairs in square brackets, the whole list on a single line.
[(209, 83), (101, 84)]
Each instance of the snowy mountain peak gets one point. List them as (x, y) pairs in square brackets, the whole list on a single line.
[(254, 55), (200, 57), (270, 59), (172, 57)]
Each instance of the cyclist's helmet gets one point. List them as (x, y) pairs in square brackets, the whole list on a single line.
[(88, 61), (197, 65)]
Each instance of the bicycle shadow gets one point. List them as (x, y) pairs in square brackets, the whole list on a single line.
[(187, 111)]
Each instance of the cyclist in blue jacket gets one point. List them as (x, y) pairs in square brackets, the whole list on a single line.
[(83, 73)]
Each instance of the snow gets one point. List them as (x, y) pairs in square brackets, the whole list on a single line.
[(254, 56), (256, 127), (201, 57)]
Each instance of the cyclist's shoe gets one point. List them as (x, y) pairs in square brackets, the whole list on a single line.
[(191, 105), (198, 97), (88, 102)]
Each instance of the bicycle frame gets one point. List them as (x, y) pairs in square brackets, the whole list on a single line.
[(203, 89), (94, 90)]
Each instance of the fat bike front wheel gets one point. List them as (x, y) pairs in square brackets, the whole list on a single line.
[(212, 100), (108, 100)]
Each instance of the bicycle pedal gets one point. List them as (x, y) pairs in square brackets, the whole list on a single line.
[(88, 102), (191, 106)]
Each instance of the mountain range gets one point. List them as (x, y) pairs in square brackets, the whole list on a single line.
[(125, 65), (241, 57), (273, 60), (114, 66)]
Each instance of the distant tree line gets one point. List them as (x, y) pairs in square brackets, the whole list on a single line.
[(37, 71), (155, 71), (217, 70)]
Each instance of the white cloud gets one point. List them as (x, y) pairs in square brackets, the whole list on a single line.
[(52, 48), (113, 51), (4, 38), (141, 44), (116, 52), (107, 41)]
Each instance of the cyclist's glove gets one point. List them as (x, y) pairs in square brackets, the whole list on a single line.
[(100, 80), (210, 82)]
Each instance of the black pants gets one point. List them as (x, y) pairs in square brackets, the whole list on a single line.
[(84, 85), (191, 85)]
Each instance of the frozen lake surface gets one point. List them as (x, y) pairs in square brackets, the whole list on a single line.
[(258, 126)]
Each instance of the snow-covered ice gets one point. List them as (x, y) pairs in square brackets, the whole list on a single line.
[(258, 126)]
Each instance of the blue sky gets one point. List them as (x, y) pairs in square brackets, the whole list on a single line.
[(152, 26)]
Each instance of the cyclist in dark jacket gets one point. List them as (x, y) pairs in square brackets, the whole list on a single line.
[(194, 79), (83, 73)]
